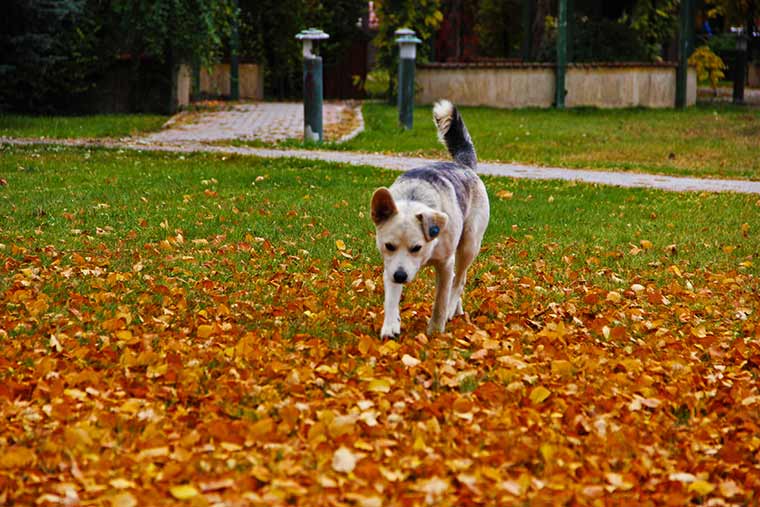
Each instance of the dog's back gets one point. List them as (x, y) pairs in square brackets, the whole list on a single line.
[(457, 177)]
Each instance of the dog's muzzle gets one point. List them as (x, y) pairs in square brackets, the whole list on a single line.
[(400, 276)]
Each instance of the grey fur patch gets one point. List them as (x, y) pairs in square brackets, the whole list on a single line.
[(444, 175)]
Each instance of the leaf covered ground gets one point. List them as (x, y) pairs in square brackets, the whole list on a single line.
[(203, 330)]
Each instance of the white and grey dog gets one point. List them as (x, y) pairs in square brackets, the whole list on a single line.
[(432, 215)]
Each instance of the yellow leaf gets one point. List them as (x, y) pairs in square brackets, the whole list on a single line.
[(379, 385), (205, 330), (547, 452), (419, 444), (539, 394), (132, 405), (340, 244), (562, 368), (728, 249), (124, 335), (389, 347), (17, 457), (504, 194), (701, 487), (183, 491), (646, 244)]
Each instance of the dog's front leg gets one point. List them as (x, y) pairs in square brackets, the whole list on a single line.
[(444, 274), (392, 319)]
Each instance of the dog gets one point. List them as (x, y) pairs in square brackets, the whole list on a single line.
[(432, 215)]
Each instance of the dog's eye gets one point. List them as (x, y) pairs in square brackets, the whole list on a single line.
[(415, 248), (391, 247)]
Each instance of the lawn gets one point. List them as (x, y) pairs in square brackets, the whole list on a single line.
[(204, 328), (60, 127), (705, 141)]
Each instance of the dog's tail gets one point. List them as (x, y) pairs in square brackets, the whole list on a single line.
[(453, 134)]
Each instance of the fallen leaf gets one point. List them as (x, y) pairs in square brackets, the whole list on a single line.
[(183, 491), (344, 460), (539, 394)]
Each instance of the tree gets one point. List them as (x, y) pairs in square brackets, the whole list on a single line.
[(655, 23), (54, 51), (268, 29), (49, 52), (422, 16), (172, 32), (736, 12)]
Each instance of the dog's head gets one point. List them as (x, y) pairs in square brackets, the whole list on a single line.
[(407, 233)]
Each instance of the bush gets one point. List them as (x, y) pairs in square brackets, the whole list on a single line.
[(50, 52), (709, 66), (598, 40)]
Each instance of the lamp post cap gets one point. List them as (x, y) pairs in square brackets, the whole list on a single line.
[(312, 34), (408, 39), (404, 31)]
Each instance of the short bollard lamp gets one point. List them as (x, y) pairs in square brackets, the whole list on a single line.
[(312, 83), (407, 43)]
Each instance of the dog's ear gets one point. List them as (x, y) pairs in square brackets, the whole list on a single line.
[(432, 223), (383, 205)]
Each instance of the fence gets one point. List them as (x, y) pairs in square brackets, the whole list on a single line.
[(216, 83), (512, 84)]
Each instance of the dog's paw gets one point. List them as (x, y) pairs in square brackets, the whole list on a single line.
[(390, 331), (456, 309), (435, 327)]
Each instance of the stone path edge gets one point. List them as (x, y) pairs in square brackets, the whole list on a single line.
[(401, 163)]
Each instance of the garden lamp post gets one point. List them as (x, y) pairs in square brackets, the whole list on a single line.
[(407, 43), (312, 83), (741, 65)]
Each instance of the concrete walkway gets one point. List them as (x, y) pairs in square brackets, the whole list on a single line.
[(275, 121), (401, 163)]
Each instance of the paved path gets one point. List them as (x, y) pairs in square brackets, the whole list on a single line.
[(264, 121), (725, 94), (622, 179)]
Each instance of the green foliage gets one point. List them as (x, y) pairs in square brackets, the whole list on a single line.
[(734, 11), (598, 40), (709, 66), (268, 29), (654, 24), (498, 27), (49, 52), (176, 30), (56, 50), (376, 84), (422, 16)]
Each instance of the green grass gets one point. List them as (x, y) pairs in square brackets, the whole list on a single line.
[(715, 141), (60, 127), (80, 200)]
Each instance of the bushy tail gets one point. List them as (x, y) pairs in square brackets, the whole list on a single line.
[(453, 134)]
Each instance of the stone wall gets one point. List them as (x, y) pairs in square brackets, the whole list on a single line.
[(513, 85)]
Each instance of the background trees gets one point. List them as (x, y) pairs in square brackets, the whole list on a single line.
[(55, 51), (268, 29)]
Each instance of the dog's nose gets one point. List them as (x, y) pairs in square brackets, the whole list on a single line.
[(399, 276)]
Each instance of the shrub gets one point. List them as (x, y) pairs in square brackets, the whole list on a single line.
[(709, 66)]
